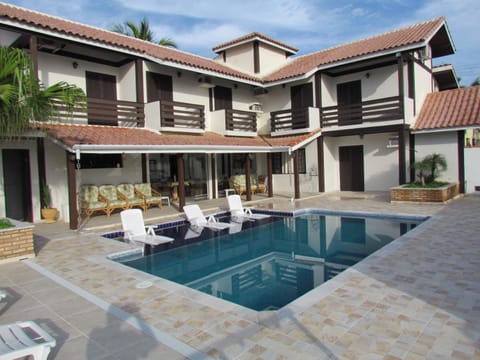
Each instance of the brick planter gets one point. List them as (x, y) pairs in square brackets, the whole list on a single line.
[(440, 195), (16, 242)]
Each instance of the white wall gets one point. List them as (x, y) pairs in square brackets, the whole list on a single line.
[(380, 83), (241, 57), (472, 169), (380, 163), (444, 143), (270, 58)]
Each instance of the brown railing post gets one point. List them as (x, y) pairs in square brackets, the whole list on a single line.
[(248, 184)]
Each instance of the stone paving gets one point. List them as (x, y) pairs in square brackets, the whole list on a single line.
[(417, 298)]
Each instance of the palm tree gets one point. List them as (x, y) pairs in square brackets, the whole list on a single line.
[(23, 98), (429, 167), (141, 32)]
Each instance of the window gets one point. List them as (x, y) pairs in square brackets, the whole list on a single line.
[(277, 163), (100, 161), (302, 161)]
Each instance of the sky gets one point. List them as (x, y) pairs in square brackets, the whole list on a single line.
[(308, 25)]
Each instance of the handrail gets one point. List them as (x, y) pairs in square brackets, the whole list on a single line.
[(384, 109), (289, 119), (101, 111), (182, 115), (240, 120)]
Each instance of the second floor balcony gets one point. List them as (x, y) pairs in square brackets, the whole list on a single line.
[(294, 121), (103, 112), (234, 122), (372, 111), (175, 116)]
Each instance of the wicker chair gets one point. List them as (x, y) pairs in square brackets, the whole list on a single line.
[(109, 194), (90, 202), (127, 192), (238, 183), (150, 196)]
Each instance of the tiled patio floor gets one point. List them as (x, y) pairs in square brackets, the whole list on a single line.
[(417, 298)]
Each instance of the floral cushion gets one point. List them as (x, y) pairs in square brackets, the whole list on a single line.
[(127, 190), (109, 191), (145, 189), (89, 193)]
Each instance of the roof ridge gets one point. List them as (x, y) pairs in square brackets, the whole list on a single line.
[(251, 35)]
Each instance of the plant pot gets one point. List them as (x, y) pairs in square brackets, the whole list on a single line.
[(50, 215)]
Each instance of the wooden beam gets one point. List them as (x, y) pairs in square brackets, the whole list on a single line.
[(144, 168), (34, 53), (270, 175), (139, 80), (248, 184), (41, 167), (72, 190), (214, 176), (321, 165), (411, 147), (296, 175), (461, 160), (401, 85), (181, 181), (402, 176)]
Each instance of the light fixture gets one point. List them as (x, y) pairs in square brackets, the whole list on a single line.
[(74, 64)]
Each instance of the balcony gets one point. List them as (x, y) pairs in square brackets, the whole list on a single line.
[(175, 116), (372, 111), (232, 122), (294, 121), (103, 112)]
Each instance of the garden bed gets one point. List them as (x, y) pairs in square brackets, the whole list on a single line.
[(435, 195)]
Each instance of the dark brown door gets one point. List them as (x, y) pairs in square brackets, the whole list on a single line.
[(104, 87), (160, 88), (349, 97), (223, 98), (302, 98), (351, 168), (17, 186)]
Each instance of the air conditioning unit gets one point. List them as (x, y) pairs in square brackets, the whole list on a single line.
[(257, 107), (205, 82), (259, 91)]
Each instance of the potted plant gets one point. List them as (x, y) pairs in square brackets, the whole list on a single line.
[(48, 212)]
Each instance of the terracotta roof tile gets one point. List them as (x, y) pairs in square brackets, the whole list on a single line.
[(450, 109), (297, 67), (387, 41), (254, 35), (290, 140), (71, 135), (75, 29)]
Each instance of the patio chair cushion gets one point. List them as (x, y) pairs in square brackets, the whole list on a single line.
[(150, 196), (109, 192), (89, 200), (127, 191), (238, 182)]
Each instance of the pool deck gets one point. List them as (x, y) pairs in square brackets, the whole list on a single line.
[(416, 298)]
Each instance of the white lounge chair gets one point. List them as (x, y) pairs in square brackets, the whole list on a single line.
[(238, 212), (196, 218), (134, 229), (23, 339)]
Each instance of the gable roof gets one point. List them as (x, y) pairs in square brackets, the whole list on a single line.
[(450, 109), (254, 36), (143, 48), (390, 41), (417, 34)]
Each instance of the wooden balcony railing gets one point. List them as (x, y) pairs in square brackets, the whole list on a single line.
[(103, 112), (289, 119), (176, 114), (385, 109), (239, 120)]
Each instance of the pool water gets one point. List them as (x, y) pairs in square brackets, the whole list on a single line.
[(270, 262)]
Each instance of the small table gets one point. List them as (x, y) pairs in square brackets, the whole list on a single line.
[(228, 191)]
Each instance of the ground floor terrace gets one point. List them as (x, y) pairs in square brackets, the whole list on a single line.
[(417, 298)]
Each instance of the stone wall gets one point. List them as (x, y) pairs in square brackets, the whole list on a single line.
[(442, 194), (17, 242)]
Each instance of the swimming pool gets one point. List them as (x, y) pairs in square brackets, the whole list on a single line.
[(266, 264)]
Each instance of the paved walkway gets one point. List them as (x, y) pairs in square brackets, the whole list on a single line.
[(418, 297)]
